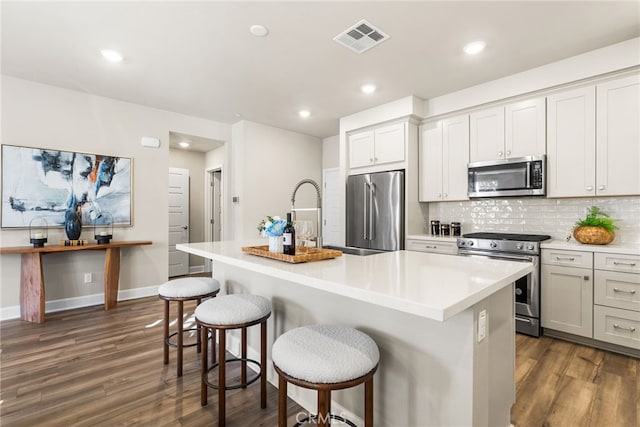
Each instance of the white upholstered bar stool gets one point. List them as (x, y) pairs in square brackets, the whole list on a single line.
[(236, 311), (181, 290), (325, 358)]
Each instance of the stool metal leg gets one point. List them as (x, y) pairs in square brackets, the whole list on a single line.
[(205, 368), (222, 380), (324, 404), (282, 401), (180, 334), (166, 332), (243, 363), (263, 366), (368, 403)]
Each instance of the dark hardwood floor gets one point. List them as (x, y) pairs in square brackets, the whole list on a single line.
[(88, 367)]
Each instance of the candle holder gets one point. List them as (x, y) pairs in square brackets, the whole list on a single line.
[(103, 228), (38, 231)]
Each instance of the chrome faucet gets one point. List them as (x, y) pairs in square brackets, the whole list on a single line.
[(317, 208)]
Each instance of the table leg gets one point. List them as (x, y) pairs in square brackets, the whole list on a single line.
[(111, 278), (32, 288)]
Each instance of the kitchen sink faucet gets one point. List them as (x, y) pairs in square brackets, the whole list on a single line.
[(318, 207)]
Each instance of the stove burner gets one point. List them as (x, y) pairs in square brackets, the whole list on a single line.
[(508, 236)]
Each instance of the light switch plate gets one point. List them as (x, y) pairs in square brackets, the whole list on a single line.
[(482, 325)]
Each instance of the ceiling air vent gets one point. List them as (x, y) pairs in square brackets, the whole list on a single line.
[(361, 37)]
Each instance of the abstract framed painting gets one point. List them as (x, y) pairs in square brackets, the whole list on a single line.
[(46, 183)]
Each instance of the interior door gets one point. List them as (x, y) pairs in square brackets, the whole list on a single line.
[(178, 220), (216, 208), (331, 207)]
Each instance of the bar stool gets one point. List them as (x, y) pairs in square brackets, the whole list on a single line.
[(181, 290), (325, 358), (236, 311)]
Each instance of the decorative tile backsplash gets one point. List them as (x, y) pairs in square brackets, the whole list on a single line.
[(555, 217)]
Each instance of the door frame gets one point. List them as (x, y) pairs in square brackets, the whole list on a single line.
[(208, 203)]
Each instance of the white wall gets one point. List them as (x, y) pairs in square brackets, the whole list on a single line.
[(331, 152), (39, 115), (267, 164)]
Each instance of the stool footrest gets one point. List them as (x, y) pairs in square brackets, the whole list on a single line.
[(313, 419), (170, 344), (234, 386)]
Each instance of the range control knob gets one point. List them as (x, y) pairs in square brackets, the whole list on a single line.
[(530, 246), (518, 246), (470, 243), (493, 244)]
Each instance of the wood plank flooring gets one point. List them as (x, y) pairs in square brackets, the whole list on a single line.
[(88, 367)]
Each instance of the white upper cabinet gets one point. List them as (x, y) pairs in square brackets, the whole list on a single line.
[(378, 146), (571, 143), (593, 140), (515, 130), (444, 154), (487, 134), (618, 137), (525, 124)]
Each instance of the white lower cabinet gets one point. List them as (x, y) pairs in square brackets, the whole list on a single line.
[(616, 313), (567, 299), (434, 246)]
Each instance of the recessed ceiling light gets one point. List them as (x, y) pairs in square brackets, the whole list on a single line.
[(368, 88), (258, 30), (474, 47), (304, 113), (111, 55), (184, 144)]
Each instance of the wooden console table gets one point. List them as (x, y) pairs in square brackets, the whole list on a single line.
[(32, 298)]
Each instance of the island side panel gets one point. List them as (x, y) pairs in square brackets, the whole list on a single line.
[(427, 369)]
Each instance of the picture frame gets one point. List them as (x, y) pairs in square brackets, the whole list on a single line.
[(43, 182)]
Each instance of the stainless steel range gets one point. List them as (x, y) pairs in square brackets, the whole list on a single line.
[(513, 247)]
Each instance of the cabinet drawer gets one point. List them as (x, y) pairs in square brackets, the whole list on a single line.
[(617, 262), (432, 246), (621, 290), (616, 326), (567, 258)]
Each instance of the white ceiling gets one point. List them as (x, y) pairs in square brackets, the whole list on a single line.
[(198, 58)]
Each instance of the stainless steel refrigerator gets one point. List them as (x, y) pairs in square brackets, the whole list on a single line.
[(375, 211)]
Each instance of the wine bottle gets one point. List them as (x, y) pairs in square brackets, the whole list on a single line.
[(289, 238)]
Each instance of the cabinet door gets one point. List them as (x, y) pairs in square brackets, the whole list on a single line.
[(430, 164), (455, 156), (525, 128), (571, 143), (618, 137), (567, 299), (361, 149), (389, 144), (487, 134)]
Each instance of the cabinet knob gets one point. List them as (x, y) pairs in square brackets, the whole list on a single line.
[(589, 188), (586, 277), (439, 195), (601, 187), (508, 152), (370, 159), (500, 153)]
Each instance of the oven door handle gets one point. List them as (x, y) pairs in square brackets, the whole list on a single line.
[(526, 258), (524, 319)]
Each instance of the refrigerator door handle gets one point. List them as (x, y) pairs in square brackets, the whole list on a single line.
[(372, 223), (364, 210)]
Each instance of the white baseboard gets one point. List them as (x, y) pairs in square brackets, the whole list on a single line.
[(13, 312)]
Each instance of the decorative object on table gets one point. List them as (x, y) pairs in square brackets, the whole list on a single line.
[(289, 238), (103, 227), (73, 219), (38, 231), (44, 182), (79, 242), (303, 254), (596, 229), (273, 227)]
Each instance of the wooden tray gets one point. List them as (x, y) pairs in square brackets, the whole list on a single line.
[(303, 254)]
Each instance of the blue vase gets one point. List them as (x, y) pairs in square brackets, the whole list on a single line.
[(72, 223)]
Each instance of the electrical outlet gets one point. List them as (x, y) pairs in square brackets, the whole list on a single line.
[(88, 278), (482, 325)]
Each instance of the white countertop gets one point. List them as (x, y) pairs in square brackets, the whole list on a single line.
[(572, 245), (433, 286)]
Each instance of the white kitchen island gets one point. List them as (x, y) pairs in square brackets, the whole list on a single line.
[(421, 309)]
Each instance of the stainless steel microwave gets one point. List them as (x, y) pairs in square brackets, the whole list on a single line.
[(522, 176)]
